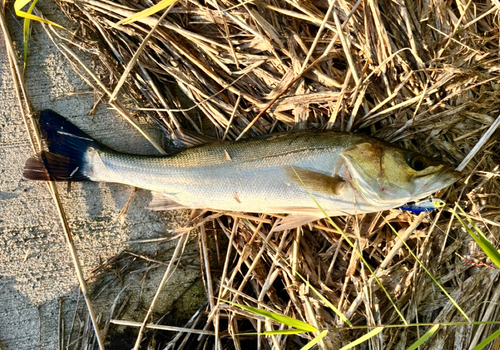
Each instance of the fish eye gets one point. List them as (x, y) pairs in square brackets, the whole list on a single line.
[(416, 162)]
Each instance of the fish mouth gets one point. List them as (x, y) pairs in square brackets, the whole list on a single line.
[(449, 176), (444, 178)]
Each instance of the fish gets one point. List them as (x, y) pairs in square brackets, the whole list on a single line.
[(425, 205), (301, 173)]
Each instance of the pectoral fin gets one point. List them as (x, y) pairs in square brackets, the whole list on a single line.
[(315, 181)]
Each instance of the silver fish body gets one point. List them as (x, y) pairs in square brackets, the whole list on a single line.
[(345, 173), (250, 176)]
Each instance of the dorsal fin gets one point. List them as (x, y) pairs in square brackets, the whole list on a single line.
[(188, 139)]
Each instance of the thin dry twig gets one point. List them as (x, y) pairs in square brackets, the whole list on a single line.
[(168, 272)]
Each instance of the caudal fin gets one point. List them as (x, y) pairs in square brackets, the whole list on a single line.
[(66, 159), (47, 166)]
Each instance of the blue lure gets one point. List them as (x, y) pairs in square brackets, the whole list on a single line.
[(425, 205)]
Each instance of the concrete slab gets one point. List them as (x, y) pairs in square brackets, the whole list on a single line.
[(35, 266)]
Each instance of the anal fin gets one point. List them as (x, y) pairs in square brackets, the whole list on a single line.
[(162, 202), (292, 221)]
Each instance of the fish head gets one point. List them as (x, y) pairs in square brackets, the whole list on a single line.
[(387, 176)]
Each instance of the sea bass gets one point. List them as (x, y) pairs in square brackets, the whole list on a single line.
[(345, 173)]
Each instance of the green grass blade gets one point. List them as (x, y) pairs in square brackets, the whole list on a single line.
[(364, 338), (26, 34), (429, 273), (353, 247), (487, 340), (18, 6), (147, 12), (283, 331), (314, 341), (480, 238), (423, 338), (421, 324), (292, 322)]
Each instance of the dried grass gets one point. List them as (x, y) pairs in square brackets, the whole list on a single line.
[(423, 73)]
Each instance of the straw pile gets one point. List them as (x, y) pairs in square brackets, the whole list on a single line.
[(421, 73)]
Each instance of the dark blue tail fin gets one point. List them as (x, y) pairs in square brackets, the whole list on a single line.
[(66, 159)]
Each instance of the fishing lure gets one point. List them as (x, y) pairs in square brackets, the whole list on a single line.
[(425, 205)]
